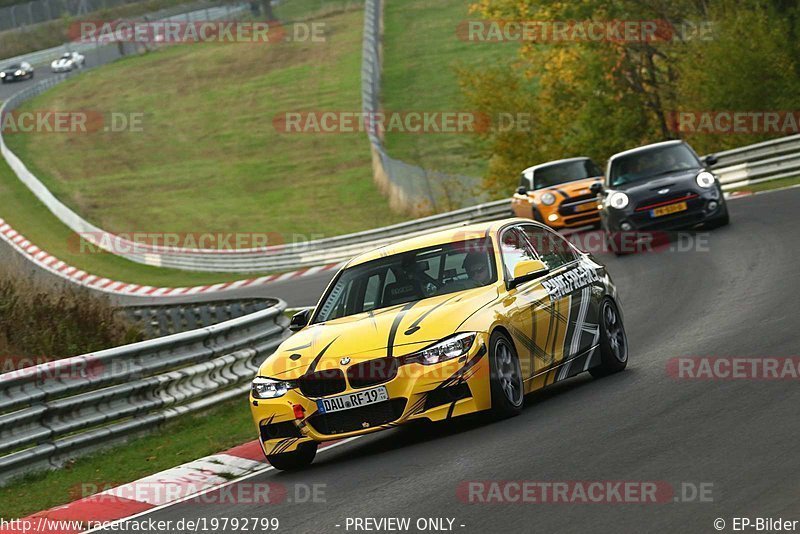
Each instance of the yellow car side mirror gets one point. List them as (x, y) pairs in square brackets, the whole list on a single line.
[(528, 270)]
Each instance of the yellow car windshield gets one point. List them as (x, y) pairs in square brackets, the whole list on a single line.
[(409, 277)]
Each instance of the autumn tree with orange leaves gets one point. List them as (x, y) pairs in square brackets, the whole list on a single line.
[(596, 97)]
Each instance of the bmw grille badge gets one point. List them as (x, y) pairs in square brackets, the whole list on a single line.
[(344, 361)]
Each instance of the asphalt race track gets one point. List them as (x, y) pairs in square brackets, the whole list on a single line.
[(738, 298), (96, 56)]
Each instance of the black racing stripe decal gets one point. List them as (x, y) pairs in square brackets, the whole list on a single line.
[(289, 444), (562, 193), (395, 325), (557, 329), (418, 405), (537, 349), (283, 445), (528, 343), (415, 325), (269, 421), (547, 343), (319, 356), (381, 311), (456, 377), (451, 410)]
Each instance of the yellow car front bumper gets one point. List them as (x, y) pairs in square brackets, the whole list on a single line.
[(434, 392)]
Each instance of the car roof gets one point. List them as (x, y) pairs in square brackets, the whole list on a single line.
[(549, 163), (440, 237)]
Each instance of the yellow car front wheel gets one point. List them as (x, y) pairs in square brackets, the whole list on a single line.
[(505, 377)]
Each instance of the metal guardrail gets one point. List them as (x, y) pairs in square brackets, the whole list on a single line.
[(408, 187), (165, 319), (761, 162), (67, 408)]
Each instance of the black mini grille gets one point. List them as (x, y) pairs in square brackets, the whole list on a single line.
[(372, 372), (661, 199), (322, 383), (570, 205), (579, 199), (367, 416)]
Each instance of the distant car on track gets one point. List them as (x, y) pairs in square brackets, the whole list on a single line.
[(68, 62), (437, 326), (557, 193), (16, 72), (663, 186)]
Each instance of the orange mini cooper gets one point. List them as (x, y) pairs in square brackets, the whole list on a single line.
[(557, 193)]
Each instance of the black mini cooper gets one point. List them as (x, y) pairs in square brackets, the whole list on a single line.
[(663, 186)]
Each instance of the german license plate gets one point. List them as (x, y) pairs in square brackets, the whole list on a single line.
[(667, 210), (352, 400), (586, 207)]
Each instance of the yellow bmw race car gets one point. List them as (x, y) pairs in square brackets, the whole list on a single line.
[(434, 327)]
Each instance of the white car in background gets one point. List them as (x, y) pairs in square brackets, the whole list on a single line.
[(68, 61)]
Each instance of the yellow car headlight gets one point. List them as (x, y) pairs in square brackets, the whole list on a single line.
[(446, 349), (267, 388)]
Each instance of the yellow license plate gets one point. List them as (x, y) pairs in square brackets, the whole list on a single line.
[(586, 207), (667, 210)]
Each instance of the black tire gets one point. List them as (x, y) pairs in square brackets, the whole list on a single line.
[(613, 341), (719, 222), (505, 377), (295, 460)]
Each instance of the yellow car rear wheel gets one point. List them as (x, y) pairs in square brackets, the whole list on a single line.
[(613, 342)]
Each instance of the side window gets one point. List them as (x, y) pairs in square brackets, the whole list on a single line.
[(336, 302), (372, 293), (515, 248), (553, 249)]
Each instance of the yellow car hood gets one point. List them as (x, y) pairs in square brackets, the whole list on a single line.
[(364, 336)]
